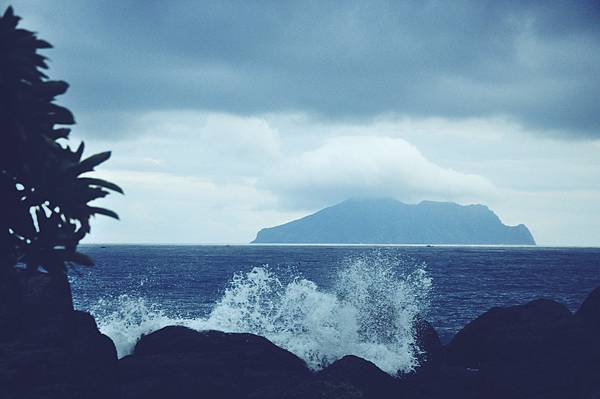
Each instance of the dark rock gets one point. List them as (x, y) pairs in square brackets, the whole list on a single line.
[(366, 377), (589, 312), (322, 389), (30, 299), (588, 318), (49, 350), (432, 378), (443, 382), (10, 300), (82, 367), (524, 351), (504, 333), (429, 345), (180, 362), (45, 294)]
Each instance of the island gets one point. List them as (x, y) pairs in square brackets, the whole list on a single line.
[(388, 221)]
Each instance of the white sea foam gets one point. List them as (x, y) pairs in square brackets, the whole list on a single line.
[(369, 312), (132, 318)]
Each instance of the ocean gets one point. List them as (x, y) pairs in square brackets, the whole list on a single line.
[(322, 302)]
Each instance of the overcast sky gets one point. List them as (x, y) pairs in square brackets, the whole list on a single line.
[(226, 117)]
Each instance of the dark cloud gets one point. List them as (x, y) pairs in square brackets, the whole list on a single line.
[(536, 62)]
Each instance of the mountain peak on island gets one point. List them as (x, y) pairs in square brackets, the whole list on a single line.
[(388, 221)]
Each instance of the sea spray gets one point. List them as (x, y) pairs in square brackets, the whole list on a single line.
[(297, 316), (125, 319), (368, 312)]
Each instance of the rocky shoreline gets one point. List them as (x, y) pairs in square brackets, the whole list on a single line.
[(49, 350)]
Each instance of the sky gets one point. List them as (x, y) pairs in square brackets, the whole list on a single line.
[(226, 117)]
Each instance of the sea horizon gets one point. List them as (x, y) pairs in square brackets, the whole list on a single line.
[(549, 246)]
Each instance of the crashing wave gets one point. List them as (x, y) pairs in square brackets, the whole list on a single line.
[(369, 312)]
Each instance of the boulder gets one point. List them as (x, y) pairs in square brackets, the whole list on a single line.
[(30, 299), (322, 389), (432, 378), (588, 318), (361, 374), (505, 334), (181, 362), (10, 303), (589, 312), (525, 351), (45, 294), (430, 348), (49, 350)]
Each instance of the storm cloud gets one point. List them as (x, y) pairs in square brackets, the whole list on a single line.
[(226, 117), (535, 63)]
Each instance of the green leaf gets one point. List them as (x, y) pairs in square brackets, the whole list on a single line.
[(100, 183), (47, 200), (60, 115), (103, 211), (79, 151), (92, 193), (52, 88), (42, 44), (61, 133), (10, 18), (88, 164)]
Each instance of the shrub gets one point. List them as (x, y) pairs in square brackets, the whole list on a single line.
[(44, 189)]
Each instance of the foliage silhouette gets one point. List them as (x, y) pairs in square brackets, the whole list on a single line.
[(45, 197)]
